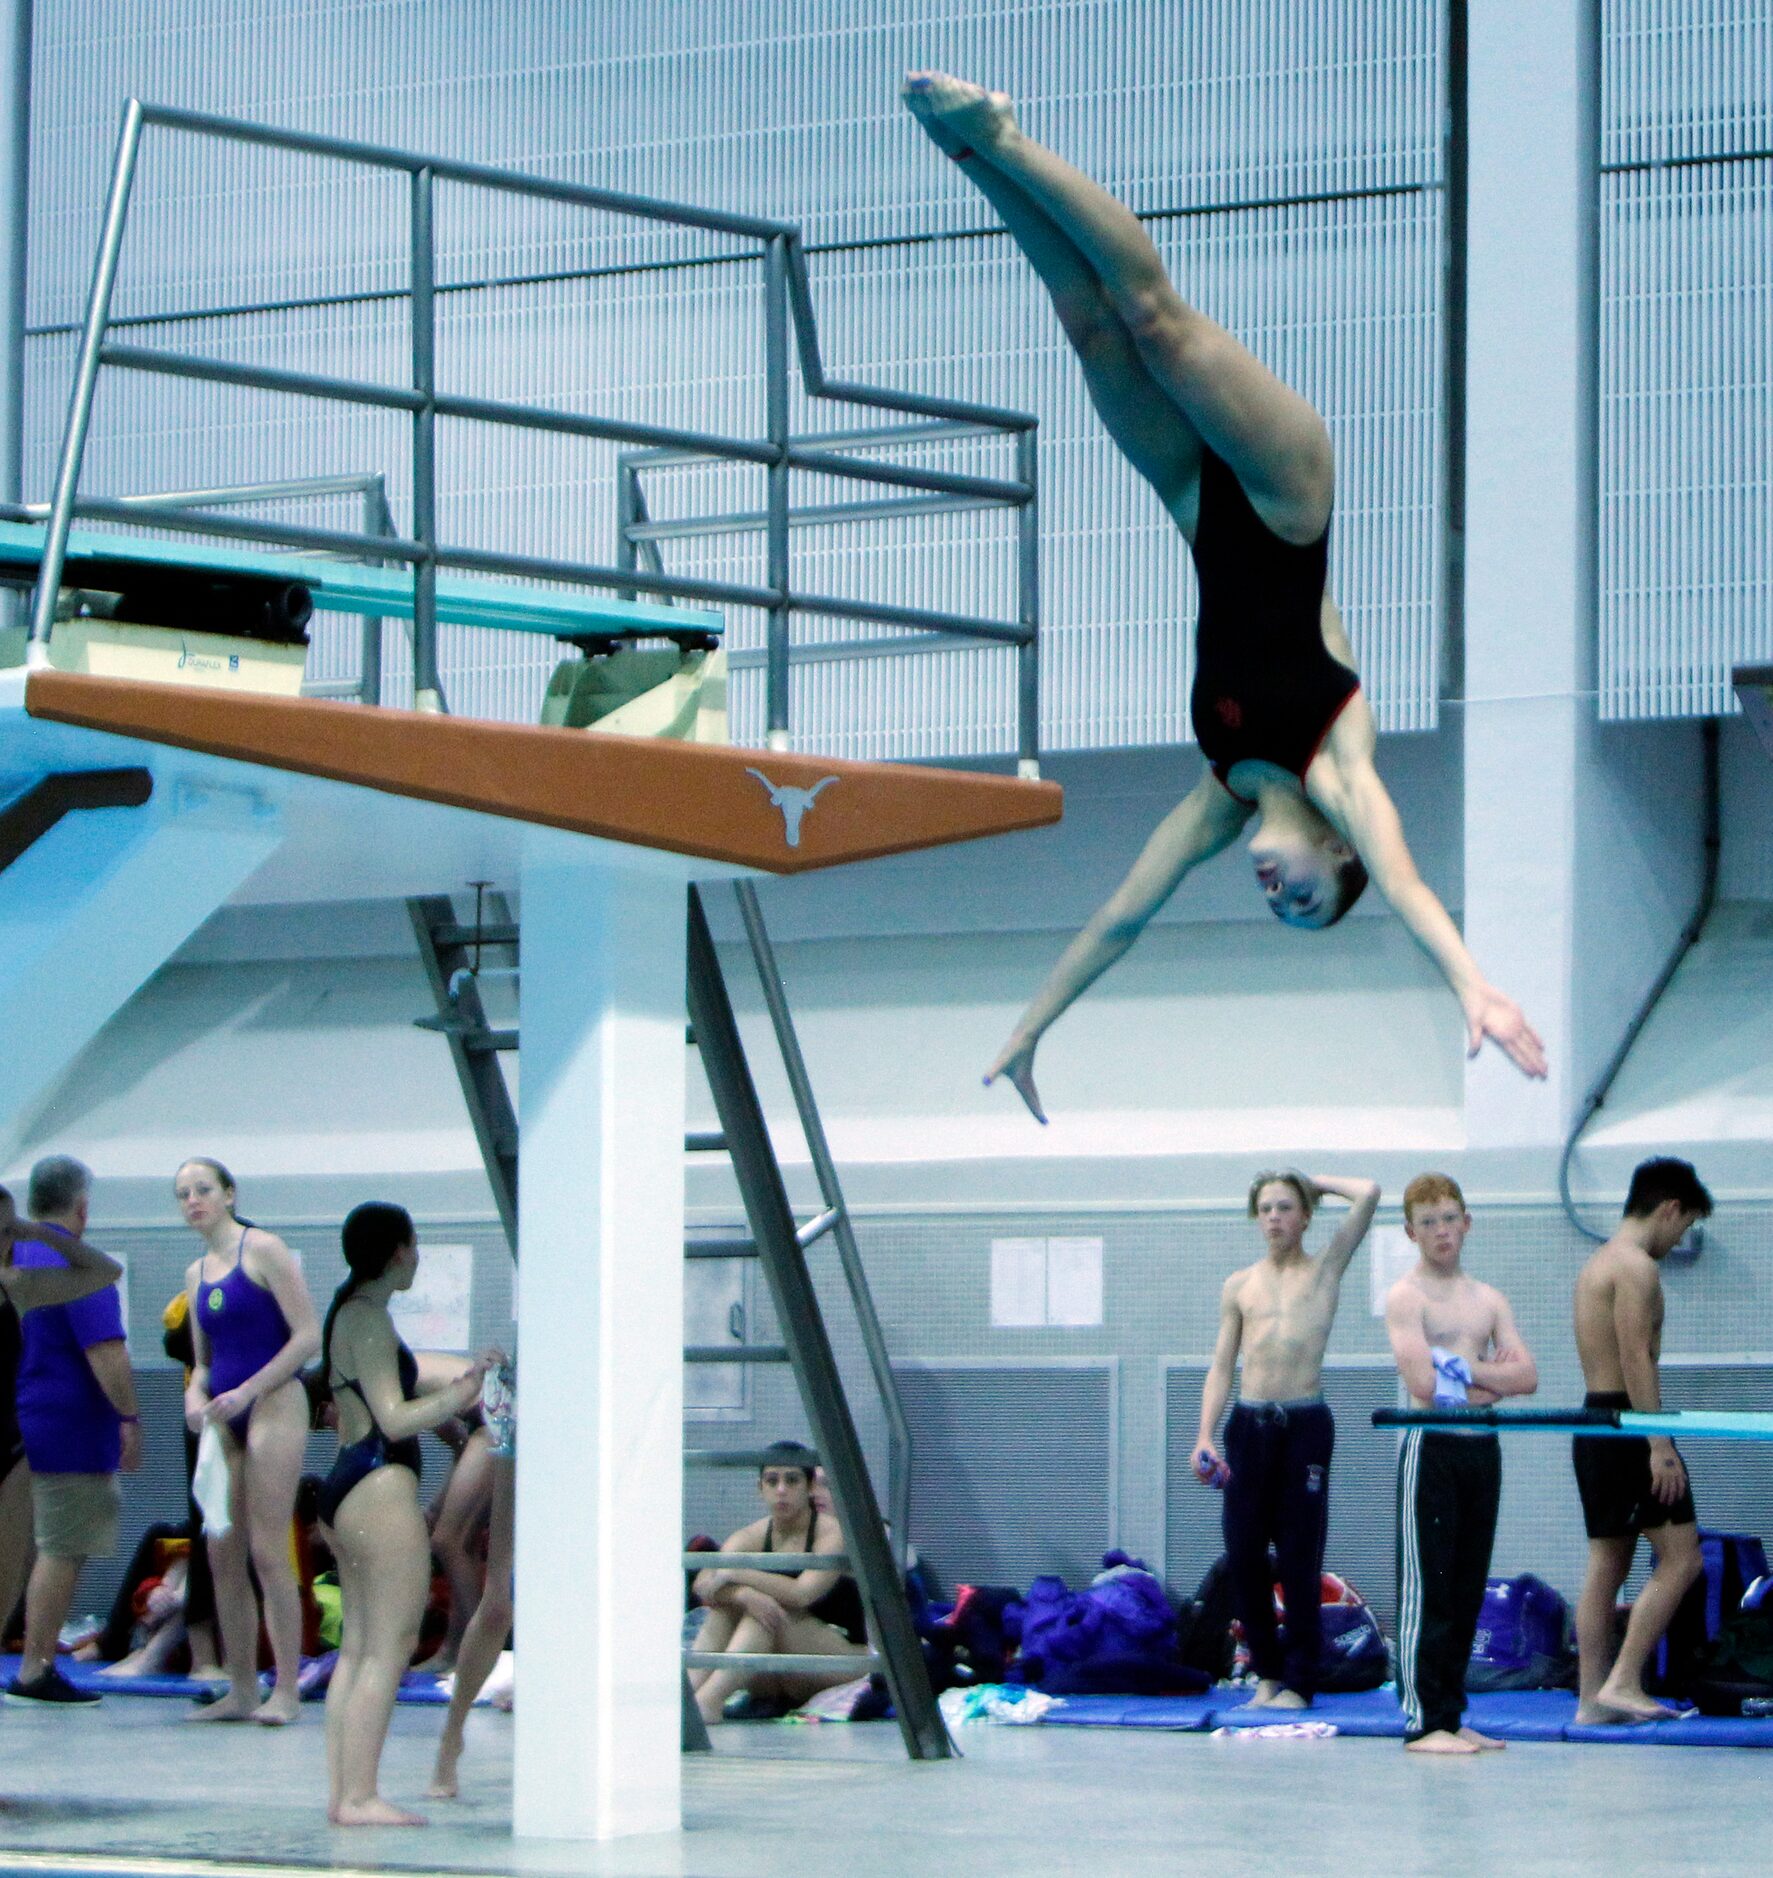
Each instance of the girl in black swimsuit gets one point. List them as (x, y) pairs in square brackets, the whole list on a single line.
[(370, 1502), (813, 1613), (1244, 467)]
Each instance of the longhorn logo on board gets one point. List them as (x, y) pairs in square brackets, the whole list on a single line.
[(793, 803)]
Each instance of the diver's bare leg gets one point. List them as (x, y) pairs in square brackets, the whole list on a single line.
[(1270, 436), (1148, 427)]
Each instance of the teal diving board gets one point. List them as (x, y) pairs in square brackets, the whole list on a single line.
[(355, 587)]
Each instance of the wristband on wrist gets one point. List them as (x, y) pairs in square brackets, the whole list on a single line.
[(129, 1418)]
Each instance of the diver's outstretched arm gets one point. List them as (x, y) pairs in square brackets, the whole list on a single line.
[(1206, 820), (1363, 808)]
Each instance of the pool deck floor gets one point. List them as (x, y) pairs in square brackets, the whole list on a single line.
[(129, 1787)]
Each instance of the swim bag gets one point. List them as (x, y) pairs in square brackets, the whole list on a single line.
[(1523, 1637), (1732, 1562)]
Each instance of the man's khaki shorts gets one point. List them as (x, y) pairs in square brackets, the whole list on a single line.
[(75, 1515)]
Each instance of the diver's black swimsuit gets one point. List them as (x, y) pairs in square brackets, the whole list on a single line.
[(361, 1459), (1265, 684), (841, 1606)]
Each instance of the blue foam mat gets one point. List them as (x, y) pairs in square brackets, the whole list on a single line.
[(419, 1688), (1516, 1715), (1183, 1713)]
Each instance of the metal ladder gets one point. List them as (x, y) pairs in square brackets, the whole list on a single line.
[(453, 955)]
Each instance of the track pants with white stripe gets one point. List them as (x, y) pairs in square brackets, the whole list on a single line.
[(1448, 1487)]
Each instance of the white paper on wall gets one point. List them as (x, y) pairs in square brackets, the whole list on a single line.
[(1074, 1283), (436, 1312), (1390, 1254), (1018, 1283)]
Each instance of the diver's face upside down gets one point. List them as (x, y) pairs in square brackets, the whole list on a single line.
[(1308, 874)]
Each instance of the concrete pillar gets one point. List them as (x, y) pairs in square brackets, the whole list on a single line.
[(1529, 589), (600, 1339), (1581, 839)]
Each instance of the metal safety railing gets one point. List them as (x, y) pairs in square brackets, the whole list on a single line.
[(788, 313)]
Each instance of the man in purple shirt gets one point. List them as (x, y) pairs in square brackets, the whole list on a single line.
[(77, 1414)]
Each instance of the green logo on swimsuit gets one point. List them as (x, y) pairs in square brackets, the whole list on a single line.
[(216, 1301)]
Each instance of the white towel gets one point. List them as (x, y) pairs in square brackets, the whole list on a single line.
[(209, 1482)]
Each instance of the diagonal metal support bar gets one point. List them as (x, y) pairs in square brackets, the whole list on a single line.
[(803, 1332), (446, 948)]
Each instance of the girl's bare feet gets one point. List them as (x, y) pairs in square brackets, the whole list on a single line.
[(279, 1710), (444, 1784), (1483, 1742), (236, 1706), (375, 1811), (967, 113)]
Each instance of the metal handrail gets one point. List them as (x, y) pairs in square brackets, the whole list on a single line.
[(788, 314), (835, 1221)]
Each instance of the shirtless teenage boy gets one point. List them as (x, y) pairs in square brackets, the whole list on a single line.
[(1630, 1486), (1276, 1471), (1456, 1344)]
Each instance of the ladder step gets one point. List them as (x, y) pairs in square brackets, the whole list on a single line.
[(816, 1228), (863, 1663), (474, 1038), (735, 1353), (493, 933), (767, 1562), (720, 1249), (704, 1141)]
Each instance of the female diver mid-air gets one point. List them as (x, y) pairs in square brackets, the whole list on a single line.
[(1243, 465)]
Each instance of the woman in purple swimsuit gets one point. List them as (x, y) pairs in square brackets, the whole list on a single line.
[(1243, 465), (254, 1328)]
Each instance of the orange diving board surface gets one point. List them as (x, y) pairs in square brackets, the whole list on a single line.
[(779, 812)]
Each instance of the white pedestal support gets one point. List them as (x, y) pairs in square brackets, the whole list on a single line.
[(600, 1336)]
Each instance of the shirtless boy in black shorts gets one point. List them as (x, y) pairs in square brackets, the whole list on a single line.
[(1631, 1486)]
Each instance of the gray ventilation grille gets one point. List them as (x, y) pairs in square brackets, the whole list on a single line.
[(1732, 1480), (1363, 1499), (1012, 1469), (1686, 418), (1288, 158)]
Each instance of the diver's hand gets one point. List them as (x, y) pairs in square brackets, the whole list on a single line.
[(1016, 1061), (1489, 1013)]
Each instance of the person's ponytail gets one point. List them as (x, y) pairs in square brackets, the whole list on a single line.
[(371, 1236)]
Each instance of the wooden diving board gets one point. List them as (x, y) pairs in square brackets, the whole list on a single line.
[(782, 813), (355, 587)]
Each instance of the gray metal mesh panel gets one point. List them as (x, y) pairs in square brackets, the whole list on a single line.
[(1686, 418), (796, 117), (1685, 78), (1732, 1480), (1013, 1469), (1363, 1500), (1194, 115)]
